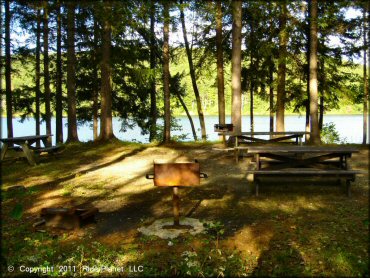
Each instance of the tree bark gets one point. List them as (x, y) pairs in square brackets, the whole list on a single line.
[(106, 127), (95, 74), (315, 132), (220, 66), (366, 84), (271, 78), (38, 75), (1, 55), (59, 105), (236, 66), (271, 97), (281, 94), (46, 71), (153, 93), (188, 115), (166, 74), (192, 74), (308, 46), (368, 58), (71, 75), (252, 70), (321, 113), (8, 68)]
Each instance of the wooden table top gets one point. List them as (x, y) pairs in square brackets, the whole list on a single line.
[(265, 133), (302, 149), (24, 138)]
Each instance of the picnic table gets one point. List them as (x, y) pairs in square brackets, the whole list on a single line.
[(250, 138), (25, 144), (302, 161), (274, 137)]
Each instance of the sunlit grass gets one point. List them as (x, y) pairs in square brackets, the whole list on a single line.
[(287, 230)]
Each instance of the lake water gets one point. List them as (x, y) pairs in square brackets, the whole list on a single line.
[(348, 126)]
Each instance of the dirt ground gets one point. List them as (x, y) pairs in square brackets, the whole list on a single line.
[(292, 226)]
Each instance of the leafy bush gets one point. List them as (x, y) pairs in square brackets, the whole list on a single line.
[(330, 135)]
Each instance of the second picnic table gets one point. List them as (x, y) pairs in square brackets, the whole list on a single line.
[(25, 143), (238, 138), (314, 161)]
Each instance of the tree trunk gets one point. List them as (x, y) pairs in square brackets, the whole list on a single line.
[(153, 93), (8, 68), (192, 74), (106, 128), (1, 54), (236, 66), (46, 72), (95, 74), (322, 99), (188, 115), (166, 74), (271, 80), (366, 84), (307, 104), (252, 72), (281, 94), (59, 105), (38, 75), (321, 113), (315, 132), (271, 77), (220, 66), (71, 75), (368, 58)]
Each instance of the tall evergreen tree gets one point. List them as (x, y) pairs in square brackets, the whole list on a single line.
[(71, 74), (106, 126), (315, 132), (38, 73), (366, 84), (192, 73), (220, 65), (281, 94), (96, 51), (1, 53), (46, 69), (166, 73), (58, 101), (153, 64), (236, 116), (8, 69)]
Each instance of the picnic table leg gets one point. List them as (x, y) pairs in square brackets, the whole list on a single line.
[(348, 187), (3, 150), (256, 186), (28, 153), (45, 142)]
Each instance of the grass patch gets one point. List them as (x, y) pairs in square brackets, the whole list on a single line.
[(289, 230)]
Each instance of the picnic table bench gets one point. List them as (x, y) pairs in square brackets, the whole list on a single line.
[(25, 144), (302, 161)]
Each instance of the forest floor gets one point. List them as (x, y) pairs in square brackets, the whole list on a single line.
[(291, 229)]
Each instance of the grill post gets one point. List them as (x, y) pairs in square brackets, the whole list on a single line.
[(176, 207)]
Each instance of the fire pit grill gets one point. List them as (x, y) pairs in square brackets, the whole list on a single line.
[(223, 127), (176, 175)]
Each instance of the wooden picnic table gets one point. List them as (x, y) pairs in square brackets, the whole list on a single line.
[(274, 137), (25, 143), (323, 161), (251, 138)]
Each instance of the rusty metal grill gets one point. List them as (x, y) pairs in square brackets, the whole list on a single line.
[(176, 175), (223, 127)]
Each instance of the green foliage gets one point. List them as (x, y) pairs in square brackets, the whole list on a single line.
[(17, 212), (330, 135)]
